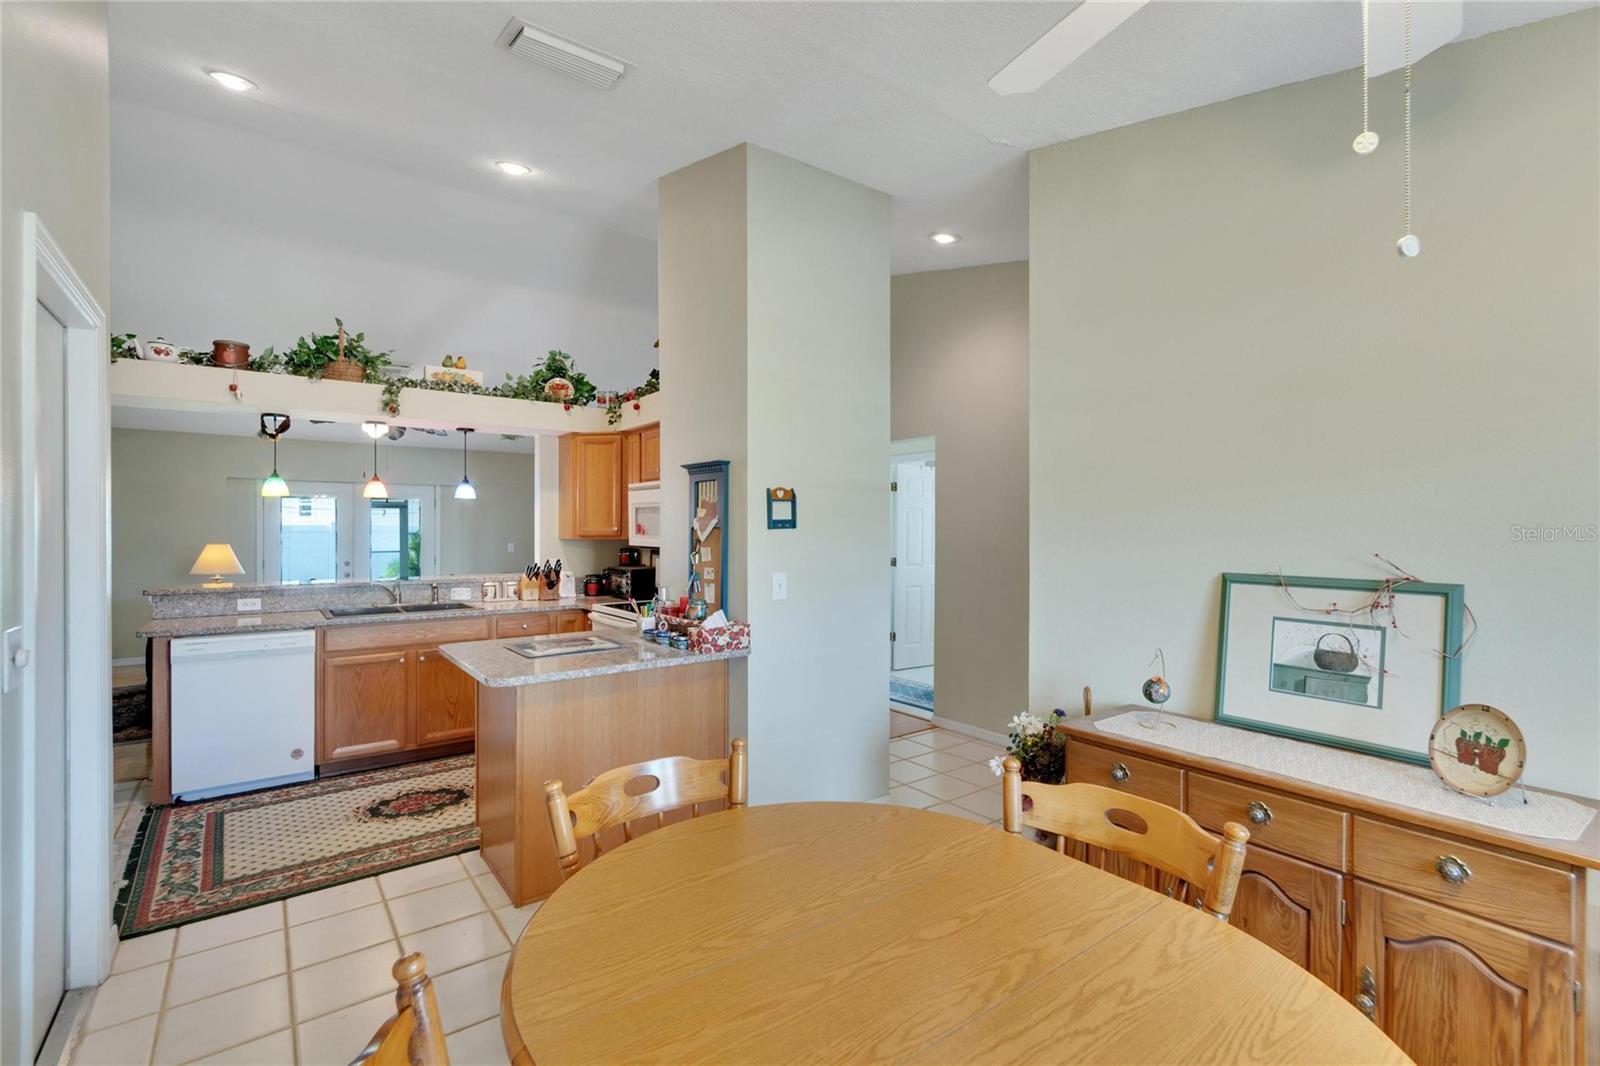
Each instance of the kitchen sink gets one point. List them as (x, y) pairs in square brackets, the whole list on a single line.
[(395, 608)]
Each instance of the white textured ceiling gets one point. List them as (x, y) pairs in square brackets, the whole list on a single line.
[(892, 95)]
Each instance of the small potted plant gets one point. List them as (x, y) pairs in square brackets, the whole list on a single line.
[(1039, 745), (340, 356)]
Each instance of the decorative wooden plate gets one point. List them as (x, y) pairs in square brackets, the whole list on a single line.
[(1477, 750)]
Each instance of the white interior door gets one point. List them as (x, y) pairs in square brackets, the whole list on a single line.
[(49, 673), (912, 568)]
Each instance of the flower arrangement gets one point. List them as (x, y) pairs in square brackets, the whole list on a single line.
[(1039, 745)]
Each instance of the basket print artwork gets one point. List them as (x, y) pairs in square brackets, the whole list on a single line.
[(1337, 661)]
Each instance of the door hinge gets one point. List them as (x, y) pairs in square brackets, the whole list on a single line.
[(894, 486), (1577, 997), (1343, 908), (894, 560), (891, 636)]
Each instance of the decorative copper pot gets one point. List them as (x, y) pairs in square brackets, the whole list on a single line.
[(230, 353)]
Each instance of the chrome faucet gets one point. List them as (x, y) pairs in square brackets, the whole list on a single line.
[(393, 591), (434, 585)]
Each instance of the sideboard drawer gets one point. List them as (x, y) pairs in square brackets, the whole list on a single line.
[(1501, 888), (1284, 823), (1141, 777)]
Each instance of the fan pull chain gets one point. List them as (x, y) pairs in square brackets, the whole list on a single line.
[(1409, 245), (1366, 141)]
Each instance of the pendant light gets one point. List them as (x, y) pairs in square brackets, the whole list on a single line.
[(274, 426), (465, 490), (375, 489)]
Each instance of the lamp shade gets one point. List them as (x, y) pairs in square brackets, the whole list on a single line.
[(217, 560)]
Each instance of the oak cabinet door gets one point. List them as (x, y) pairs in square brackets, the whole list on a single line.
[(366, 707), (591, 486), (1293, 908), (446, 700), (572, 622), (650, 453), (631, 458), (1450, 988)]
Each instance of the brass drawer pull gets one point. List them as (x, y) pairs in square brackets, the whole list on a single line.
[(1119, 772), (1453, 869), (1367, 1006), (1259, 813)]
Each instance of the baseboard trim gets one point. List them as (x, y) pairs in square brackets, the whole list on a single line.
[(136, 661), (988, 736)]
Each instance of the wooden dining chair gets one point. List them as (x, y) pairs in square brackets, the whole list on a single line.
[(415, 1035), (1151, 843), (627, 793)]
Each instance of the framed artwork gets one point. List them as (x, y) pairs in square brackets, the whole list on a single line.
[(1359, 664)]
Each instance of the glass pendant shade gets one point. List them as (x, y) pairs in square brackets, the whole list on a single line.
[(465, 490), (375, 489), (274, 486)]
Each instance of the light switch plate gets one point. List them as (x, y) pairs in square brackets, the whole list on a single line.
[(12, 668), (248, 603), (460, 593), (780, 585)]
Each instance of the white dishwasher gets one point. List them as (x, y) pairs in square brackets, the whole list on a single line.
[(244, 712)]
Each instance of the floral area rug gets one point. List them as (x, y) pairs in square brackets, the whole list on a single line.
[(198, 860)]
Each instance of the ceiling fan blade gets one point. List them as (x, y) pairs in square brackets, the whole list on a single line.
[(1084, 27)]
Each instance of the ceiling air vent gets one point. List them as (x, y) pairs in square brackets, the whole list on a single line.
[(561, 55)]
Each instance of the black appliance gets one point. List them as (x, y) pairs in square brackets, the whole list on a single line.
[(638, 582)]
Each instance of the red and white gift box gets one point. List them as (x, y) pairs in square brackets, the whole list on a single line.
[(735, 636)]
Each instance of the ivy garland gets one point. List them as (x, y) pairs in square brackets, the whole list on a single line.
[(556, 380)]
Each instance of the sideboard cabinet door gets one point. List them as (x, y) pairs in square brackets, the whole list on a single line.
[(1293, 908), (1449, 988)]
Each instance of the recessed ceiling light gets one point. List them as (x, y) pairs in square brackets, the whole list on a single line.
[(944, 238), (515, 169), (231, 81)]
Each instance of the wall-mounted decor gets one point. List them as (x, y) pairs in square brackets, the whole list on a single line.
[(1477, 750), (781, 509), (708, 533), (1368, 665)]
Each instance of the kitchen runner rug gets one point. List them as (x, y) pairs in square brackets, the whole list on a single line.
[(198, 860), (909, 693)]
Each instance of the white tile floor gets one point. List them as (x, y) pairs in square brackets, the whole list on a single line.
[(946, 772), (307, 980)]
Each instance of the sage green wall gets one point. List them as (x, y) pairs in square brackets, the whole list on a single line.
[(1231, 369), (172, 493), (959, 373)]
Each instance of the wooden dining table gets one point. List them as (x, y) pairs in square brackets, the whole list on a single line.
[(864, 932)]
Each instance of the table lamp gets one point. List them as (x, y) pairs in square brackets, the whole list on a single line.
[(217, 560)]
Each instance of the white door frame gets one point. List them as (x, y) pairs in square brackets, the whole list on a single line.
[(49, 279), (899, 452)]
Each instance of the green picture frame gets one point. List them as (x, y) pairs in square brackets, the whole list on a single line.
[(1453, 602)]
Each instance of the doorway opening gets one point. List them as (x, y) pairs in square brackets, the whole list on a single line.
[(911, 576)]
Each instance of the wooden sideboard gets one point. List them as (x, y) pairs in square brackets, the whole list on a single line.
[(1465, 944)]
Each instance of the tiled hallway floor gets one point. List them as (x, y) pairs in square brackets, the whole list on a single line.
[(945, 772), (307, 980)]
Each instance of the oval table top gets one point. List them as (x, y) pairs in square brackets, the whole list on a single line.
[(868, 932)]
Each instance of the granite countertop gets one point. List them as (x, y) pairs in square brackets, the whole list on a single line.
[(343, 583), (493, 663), (274, 621)]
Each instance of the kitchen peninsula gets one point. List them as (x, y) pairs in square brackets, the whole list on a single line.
[(569, 717), (371, 674)]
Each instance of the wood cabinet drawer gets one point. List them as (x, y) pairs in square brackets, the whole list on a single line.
[(1141, 777), (403, 634), (524, 625), (1284, 823), (1500, 888)]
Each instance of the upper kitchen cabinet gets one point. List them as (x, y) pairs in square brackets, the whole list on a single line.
[(592, 486), (596, 470)]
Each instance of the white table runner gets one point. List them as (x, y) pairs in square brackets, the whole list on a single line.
[(1543, 815)]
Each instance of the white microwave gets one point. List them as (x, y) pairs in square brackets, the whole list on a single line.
[(644, 514)]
